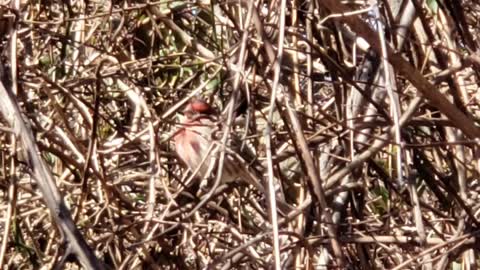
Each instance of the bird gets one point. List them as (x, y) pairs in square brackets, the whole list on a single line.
[(193, 144), (194, 139)]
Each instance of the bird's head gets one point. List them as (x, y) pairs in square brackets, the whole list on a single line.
[(198, 108)]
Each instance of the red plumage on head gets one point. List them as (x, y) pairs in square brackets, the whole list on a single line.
[(198, 107)]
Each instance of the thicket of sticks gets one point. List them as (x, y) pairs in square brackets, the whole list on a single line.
[(366, 114)]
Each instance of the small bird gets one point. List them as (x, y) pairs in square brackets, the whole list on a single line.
[(193, 142), (194, 138)]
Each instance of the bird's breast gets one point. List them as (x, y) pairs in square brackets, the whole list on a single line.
[(192, 145)]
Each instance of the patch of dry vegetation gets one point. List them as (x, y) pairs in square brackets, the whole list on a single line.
[(379, 161)]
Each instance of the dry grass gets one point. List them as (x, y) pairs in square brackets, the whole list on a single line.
[(100, 86)]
